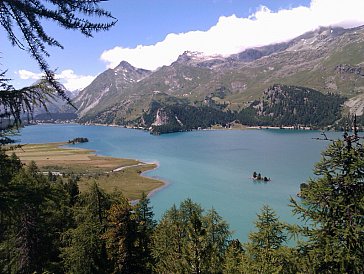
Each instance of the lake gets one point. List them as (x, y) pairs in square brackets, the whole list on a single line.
[(213, 168)]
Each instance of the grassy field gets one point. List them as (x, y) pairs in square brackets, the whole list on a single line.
[(54, 157)]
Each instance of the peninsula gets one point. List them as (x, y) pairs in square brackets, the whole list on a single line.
[(110, 173)]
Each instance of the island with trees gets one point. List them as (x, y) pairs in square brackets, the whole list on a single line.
[(258, 177), (78, 140)]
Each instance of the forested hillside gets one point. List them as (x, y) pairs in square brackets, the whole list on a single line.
[(292, 106), (280, 106)]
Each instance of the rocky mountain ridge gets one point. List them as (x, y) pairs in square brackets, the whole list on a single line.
[(329, 60)]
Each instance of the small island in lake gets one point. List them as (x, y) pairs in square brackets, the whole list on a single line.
[(78, 140), (259, 177)]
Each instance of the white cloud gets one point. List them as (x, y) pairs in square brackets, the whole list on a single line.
[(28, 75), (232, 34), (67, 77), (73, 81)]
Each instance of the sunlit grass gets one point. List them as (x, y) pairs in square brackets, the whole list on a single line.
[(53, 157)]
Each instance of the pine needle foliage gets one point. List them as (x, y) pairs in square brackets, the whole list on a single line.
[(17, 103), (23, 21), (333, 207)]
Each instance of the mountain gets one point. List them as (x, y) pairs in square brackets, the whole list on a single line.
[(56, 108), (327, 60), (108, 85)]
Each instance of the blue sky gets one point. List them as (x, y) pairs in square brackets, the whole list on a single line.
[(152, 33)]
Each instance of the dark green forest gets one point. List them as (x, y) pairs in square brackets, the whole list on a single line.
[(280, 106), (48, 226), (291, 105), (189, 117)]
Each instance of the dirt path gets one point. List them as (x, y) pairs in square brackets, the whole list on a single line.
[(124, 167)]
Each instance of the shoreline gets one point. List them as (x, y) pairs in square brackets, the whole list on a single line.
[(47, 155), (154, 191), (143, 174), (220, 128), (140, 163), (213, 127), (165, 183), (158, 189)]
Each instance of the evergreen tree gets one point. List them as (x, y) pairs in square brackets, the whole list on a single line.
[(96, 202), (233, 257), (333, 206), (217, 235), (72, 188), (121, 237), (188, 241), (22, 21), (10, 166), (168, 241), (195, 247), (145, 228), (17, 103), (29, 240), (30, 233), (84, 249), (262, 251)]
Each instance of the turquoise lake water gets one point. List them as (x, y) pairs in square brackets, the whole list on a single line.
[(213, 168)]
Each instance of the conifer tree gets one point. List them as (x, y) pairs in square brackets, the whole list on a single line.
[(168, 243), (18, 103), (30, 232), (333, 207), (262, 251), (120, 237), (233, 258), (188, 241), (145, 228), (194, 248), (23, 23), (84, 249), (31, 220), (217, 236)]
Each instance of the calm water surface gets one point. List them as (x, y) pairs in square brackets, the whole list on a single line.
[(213, 168)]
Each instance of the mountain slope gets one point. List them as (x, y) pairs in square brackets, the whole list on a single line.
[(109, 84), (329, 60)]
